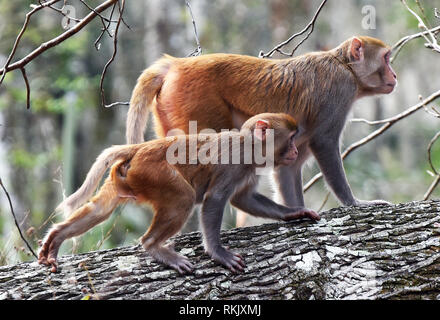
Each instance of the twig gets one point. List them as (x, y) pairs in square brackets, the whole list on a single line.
[(404, 114), (431, 40), (104, 29), (109, 20), (431, 144), (53, 42), (436, 181), (198, 51), (437, 112), (422, 10), (310, 26), (15, 220), (402, 42), (20, 34), (115, 50), (432, 187), (97, 13), (28, 89), (60, 11)]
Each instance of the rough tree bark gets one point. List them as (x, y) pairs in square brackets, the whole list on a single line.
[(352, 253)]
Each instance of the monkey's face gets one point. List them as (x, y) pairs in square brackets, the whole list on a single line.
[(287, 153), (284, 131), (371, 64)]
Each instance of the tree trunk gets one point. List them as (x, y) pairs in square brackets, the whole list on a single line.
[(352, 253)]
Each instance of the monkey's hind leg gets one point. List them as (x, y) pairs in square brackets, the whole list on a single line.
[(84, 218), (168, 220)]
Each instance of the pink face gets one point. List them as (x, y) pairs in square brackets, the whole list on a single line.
[(389, 76), (286, 152), (371, 64), (290, 154)]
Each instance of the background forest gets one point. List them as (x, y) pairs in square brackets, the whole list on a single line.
[(46, 151)]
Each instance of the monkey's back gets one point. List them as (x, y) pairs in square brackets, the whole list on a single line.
[(220, 91)]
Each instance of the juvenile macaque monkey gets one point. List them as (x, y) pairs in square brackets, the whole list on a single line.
[(144, 173), (221, 91)]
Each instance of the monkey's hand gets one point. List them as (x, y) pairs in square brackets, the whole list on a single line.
[(302, 213), (364, 203), (49, 251), (232, 261)]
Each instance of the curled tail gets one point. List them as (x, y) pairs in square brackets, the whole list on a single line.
[(104, 161), (147, 87)]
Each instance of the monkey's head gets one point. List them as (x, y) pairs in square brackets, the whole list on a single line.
[(285, 132), (369, 58)]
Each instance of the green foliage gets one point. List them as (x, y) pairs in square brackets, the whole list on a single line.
[(23, 159), (26, 160)]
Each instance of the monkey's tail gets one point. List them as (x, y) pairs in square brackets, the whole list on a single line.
[(104, 161), (147, 87)]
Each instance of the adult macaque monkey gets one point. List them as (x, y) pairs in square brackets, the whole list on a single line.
[(144, 173), (221, 91)]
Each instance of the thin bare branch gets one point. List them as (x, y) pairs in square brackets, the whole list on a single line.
[(109, 20), (198, 51), (431, 40), (60, 11), (15, 220), (310, 27), (434, 113), (20, 34), (104, 29), (436, 181), (422, 10), (28, 89), (402, 42), (432, 187), (403, 114), (115, 50), (53, 42), (431, 144)]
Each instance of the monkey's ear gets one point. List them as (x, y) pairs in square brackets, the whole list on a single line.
[(260, 129), (357, 49)]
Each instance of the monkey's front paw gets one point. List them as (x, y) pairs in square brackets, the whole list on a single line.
[(365, 203), (232, 261), (48, 259), (49, 251), (303, 213)]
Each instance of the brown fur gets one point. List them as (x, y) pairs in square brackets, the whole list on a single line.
[(143, 174), (221, 91), (216, 88)]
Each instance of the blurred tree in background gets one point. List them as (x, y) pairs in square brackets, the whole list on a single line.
[(46, 151)]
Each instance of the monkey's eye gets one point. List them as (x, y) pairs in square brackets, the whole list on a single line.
[(387, 57), (292, 137)]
